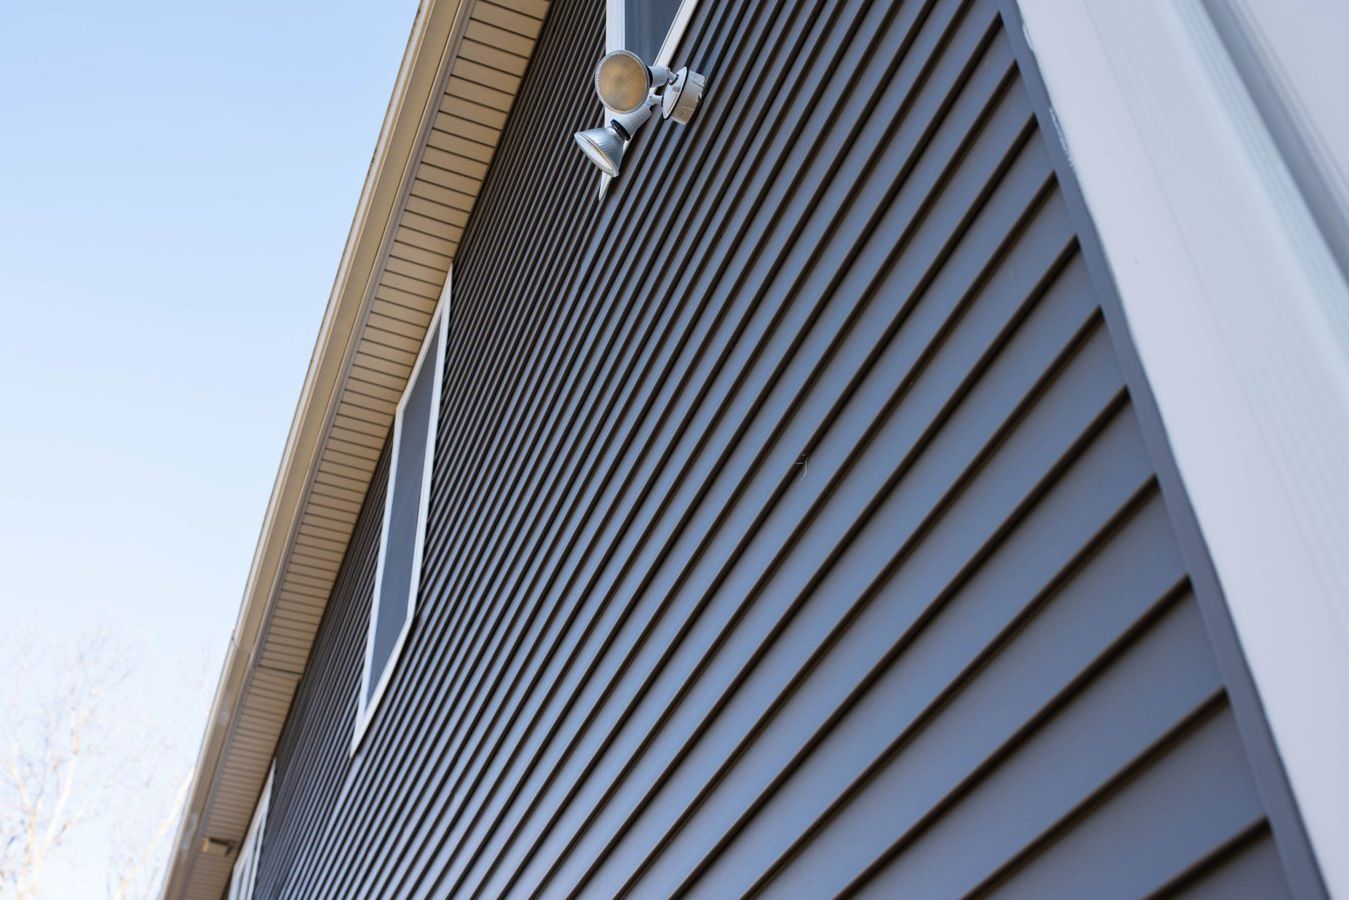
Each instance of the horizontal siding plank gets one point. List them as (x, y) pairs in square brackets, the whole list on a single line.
[(448, 217), (472, 109), (426, 292), (538, 9), (432, 243), (448, 124), (396, 325), (401, 249), (480, 94), (412, 269), (459, 146)]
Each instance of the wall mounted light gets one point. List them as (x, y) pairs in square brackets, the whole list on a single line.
[(630, 90)]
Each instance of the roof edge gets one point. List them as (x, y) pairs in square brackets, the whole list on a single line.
[(414, 97)]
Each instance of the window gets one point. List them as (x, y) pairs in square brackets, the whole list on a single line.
[(640, 25), (246, 864), (398, 571)]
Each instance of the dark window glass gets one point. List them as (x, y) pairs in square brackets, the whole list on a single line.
[(645, 23)]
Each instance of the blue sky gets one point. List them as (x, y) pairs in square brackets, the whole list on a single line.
[(176, 184)]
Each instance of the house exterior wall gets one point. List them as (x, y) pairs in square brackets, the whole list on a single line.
[(811, 543)]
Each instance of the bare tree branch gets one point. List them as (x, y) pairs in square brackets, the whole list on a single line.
[(63, 761)]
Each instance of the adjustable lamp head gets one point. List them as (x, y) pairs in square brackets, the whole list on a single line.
[(604, 146)]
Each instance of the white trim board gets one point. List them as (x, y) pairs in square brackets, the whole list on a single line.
[(435, 352), (1230, 294)]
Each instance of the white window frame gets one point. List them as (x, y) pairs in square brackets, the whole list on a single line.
[(365, 710), (245, 875), (616, 17)]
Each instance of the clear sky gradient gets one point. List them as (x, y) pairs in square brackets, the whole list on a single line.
[(176, 184)]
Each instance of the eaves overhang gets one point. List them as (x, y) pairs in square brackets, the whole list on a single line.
[(457, 82)]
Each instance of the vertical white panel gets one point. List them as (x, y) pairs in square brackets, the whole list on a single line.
[(1229, 291)]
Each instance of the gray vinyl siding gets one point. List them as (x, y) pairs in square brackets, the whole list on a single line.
[(820, 551)]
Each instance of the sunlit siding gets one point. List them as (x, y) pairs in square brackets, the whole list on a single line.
[(814, 546)]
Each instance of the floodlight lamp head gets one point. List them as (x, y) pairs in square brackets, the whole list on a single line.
[(624, 83), (604, 146)]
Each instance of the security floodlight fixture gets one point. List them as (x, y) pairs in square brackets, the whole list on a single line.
[(629, 90)]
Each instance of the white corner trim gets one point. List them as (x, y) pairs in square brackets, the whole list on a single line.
[(1229, 292), (434, 351)]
